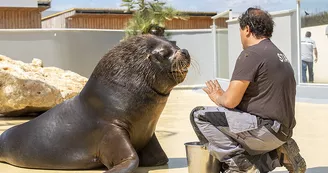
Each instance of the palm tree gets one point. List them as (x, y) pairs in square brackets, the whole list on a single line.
[(149, 17)]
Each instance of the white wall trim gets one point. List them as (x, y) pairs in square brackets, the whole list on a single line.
[(219, 30), (215, 52), (273, 14), (57, 29), (100, 30), (191, 30), (283, 12), (222, 14), (298, 22)]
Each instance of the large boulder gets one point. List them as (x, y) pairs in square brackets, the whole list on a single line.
[(32, 88)]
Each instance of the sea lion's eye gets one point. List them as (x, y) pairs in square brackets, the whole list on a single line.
[(160, 52), (163, 52)]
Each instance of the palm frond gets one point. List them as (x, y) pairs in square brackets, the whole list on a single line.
[(149, 15)]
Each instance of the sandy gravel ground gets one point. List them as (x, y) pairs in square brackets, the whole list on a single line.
[(174, 130)]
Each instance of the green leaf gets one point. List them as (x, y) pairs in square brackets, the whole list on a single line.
[(149, 15)]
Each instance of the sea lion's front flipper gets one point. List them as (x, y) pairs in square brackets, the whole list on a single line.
[(152, 154), (117, 152)]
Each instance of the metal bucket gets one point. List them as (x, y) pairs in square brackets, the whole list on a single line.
[(199, 159)]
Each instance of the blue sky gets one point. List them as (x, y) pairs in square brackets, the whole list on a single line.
[(202, 5)]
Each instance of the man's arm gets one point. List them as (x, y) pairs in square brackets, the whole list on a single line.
[(230, 98), (316, 54), (315, 51)]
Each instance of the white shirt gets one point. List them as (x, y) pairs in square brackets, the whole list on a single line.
[(307, 49)]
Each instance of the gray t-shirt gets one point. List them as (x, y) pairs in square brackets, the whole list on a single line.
[(307, 46), (272, 89)]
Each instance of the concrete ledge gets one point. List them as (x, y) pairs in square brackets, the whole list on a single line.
[(312, 91), (187, 87), (309, 93)]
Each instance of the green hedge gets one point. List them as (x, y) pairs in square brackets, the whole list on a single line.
[(314, 20)]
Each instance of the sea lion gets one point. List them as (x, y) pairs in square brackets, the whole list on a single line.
[(112, 121)]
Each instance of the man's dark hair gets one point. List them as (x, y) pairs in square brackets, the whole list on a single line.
[(308, 34), (259, 21)]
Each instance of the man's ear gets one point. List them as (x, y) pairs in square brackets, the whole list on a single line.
[(248, 31)]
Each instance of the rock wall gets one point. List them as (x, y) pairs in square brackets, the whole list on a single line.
[(29, 88)]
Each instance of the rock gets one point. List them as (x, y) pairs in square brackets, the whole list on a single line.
[(30, 88), (37, 63)]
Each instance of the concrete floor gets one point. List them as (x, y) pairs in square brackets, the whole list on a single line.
[(174, 130)]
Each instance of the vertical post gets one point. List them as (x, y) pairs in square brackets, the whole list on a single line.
[(215, 70), (299, 77), (230, 14)]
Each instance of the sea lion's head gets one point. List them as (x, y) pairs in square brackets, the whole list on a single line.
[(144, 61)]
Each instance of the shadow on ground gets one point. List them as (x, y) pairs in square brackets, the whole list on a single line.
[(310, 170), (164, 134), (174, 163)]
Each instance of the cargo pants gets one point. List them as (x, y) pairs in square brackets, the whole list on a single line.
[(238, 139)]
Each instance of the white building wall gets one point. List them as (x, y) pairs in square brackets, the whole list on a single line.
[(18, 3), (319, 36)]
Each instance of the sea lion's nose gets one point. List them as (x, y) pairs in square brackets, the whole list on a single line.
[(185, 52)]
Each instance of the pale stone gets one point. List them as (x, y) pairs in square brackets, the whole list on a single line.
[(29, 88), (37, 62)]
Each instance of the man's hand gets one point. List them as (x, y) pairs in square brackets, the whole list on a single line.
[(316, 60), (230, 98), (214, 91)]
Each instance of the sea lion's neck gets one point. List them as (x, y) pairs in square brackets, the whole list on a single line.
[(160, 93), (97, 92)]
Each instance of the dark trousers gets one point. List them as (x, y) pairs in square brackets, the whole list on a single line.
[(307, 65)]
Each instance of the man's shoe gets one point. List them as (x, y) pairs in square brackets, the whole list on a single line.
[(291, 157), (253, 170)]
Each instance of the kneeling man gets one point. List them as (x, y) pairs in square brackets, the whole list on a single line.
[(251, 128)]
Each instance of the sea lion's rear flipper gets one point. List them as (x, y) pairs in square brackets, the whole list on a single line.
[(152, 154), (117, 152)]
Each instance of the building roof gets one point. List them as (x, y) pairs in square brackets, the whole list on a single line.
[(118, 11), (88, 10), (44, 3)]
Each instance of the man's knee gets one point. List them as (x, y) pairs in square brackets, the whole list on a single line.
[(194, 114), (196, 109), (209, 114)]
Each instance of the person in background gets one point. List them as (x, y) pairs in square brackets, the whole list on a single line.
[(251, 127), (308, 47)]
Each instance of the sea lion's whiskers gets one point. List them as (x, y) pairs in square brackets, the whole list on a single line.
[(195, 65), (174, 67), (181, 66)]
